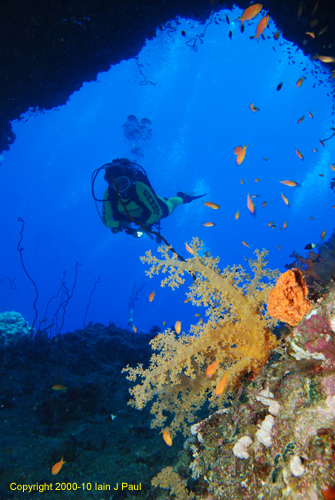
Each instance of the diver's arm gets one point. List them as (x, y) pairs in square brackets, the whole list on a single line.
[(107, 215), (148, 199)]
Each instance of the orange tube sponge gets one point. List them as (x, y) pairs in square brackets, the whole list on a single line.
[(287, 301)]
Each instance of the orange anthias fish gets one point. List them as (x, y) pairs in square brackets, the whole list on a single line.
[(245, 244), (250, 204), (321, 142), (285, 199), (152, 296), (57, 467), (299, 11), (210, 204), (314, 23), (323, 30), (257, 180), (253, 108), (189, 249), (299, 154), (276, 35), (240, 154), (237, 214), (167, 438), (323, 234), (325, 59), (241, 181), (261, 26), (300, 119), (300, 82), (310, 33), (221, 385), (310, 114), (177, 326), (285, 224), (264, 203), (59, 387), (332, 167), (209, 224), (289, 183), (187, 300), (134, 328), (250, 12), (211, 369)]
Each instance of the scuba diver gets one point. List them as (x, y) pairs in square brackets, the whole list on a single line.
[(131, 199)]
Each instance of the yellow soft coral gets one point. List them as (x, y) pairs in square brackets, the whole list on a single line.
[(237, 334)]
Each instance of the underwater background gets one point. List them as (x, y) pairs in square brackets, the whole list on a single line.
[(193, 84)]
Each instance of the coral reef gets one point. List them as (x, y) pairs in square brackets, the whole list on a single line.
[(12, 324), (287, 301), (237, 334), (247, 453)]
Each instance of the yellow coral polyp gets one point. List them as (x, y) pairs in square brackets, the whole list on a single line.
[(237, 332)]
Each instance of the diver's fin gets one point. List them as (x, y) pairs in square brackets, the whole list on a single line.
[(187, 198)]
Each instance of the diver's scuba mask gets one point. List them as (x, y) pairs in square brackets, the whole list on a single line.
[(123, 184)]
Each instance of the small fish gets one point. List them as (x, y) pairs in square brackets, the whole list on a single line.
[(323, 234), (57, 467), (167, 438), (250, 12), (289, 183), (189, 249), (285, 224), (270, 223), (197, 315), (300, 120), (315, 8), (211, 369), (209, 224), (299, 154), (177, 327), (253, 108), (276, 35), (323, 30), (321, 175), (230, 34), (273, 226), (311, 218), (310, 246), (187, 300), (163, 323), (264, 204), (325, 59), (134, 328), (245, 244), (314, 150), (332, 166), (310, 33), (241, 155), (257, 180), (221, 385), (261, 26), (313, 23), (299, 11), (250, 204), (310, 114), (210, 205), (152, 296), (241, 181), (280, 85), (321, 142), (333, 206), (265, 159), (227, 19), (285, 199), (255, 195), (59, 387), (237, 214), (279, 248), (300, 82)]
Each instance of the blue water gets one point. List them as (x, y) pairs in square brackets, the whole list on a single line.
[(199, 109)]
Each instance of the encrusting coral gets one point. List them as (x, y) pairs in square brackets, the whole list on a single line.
[(237, 334), (287, 301)]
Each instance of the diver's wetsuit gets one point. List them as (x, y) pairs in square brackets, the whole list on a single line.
[(142, 204)]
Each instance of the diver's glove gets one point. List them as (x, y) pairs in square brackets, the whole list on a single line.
[(188, 197)]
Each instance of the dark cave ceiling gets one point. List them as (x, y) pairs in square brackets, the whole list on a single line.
[(49, 48)]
